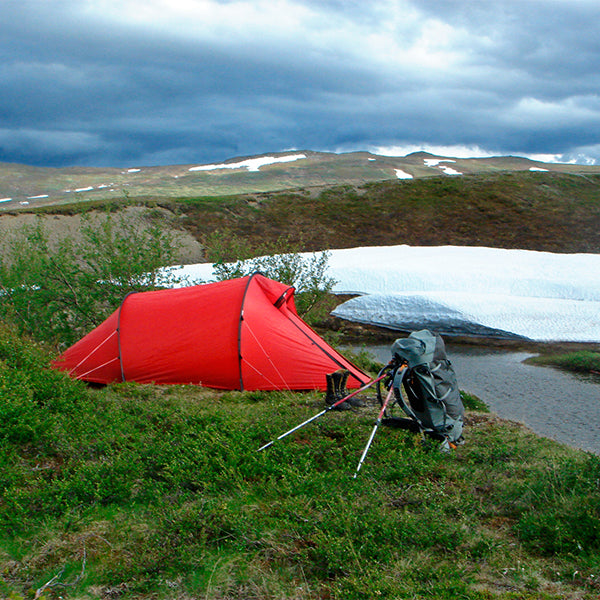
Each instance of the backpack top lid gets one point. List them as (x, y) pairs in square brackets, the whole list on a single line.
[(417, 349)]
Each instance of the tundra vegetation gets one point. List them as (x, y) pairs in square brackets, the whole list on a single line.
[(581, 361), (141, 491), (56, 292)]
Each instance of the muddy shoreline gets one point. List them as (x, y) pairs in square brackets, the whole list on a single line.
[(359, 334)]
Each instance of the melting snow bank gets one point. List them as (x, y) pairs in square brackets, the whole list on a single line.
[(462, 290), (490, 315), (477, 291)]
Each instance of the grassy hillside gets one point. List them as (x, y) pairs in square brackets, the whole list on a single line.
[(537, 211), (138, 491), (530, 210), (22, 185)]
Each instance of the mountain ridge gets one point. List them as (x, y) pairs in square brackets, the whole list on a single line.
[(30, 186)]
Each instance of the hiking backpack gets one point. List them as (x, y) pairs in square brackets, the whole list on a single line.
[(420, 366)]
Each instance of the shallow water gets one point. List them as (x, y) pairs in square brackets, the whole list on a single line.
[(553, 403)]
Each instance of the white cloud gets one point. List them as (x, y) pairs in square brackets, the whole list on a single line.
[(184, 81), (385, 35), (583, 155), (223, 23), (550, 158), (458, 151), (566, 111)]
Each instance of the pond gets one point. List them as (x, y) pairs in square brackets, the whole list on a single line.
[(553, 403)]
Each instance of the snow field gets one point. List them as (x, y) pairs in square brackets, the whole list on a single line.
[(466, 290)]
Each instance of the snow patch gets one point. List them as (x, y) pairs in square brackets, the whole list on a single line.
[(537, 169), (251, 164), (434, 162), (537, 295), (449, 170), (133, 170), (5, 199), (37, 197), (85, 189), (400, 174), (465, 290), (497, 315)]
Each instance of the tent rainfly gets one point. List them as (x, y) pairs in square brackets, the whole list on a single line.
[(242, 334)]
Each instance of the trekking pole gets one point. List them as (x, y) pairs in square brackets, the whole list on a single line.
[(330, 407), (377, 423)]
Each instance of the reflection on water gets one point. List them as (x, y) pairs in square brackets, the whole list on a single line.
[(553, 403)]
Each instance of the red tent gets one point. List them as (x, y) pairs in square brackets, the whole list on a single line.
[(240, 334)]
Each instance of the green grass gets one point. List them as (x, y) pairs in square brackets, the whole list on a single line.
[(139, 491), (583, 361)]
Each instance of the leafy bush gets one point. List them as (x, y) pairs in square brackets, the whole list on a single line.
[(280, 260), (58, 291), (31, 394)]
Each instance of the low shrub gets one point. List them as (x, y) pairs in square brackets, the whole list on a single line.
[(57, 291)]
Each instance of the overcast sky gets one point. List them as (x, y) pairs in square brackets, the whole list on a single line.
[(149, 82)]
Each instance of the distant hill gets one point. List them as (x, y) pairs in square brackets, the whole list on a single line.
[(24, 186), (318, 200)]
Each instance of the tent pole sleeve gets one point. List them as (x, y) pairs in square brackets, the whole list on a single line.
[(119, 336), (241, 320), (283, 297)]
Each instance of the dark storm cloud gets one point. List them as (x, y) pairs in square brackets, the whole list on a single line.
[(154, 82)]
